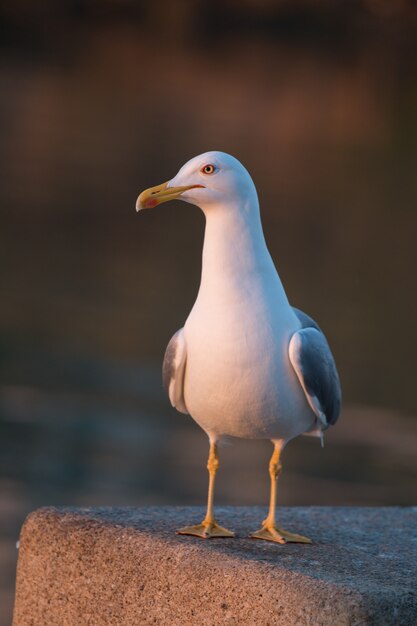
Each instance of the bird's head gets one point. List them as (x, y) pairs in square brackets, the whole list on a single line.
[(208, 180)]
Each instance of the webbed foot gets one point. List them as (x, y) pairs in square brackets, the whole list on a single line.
[(205, 530), (274, 533)]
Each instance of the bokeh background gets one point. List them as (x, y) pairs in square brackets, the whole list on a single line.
[(102, 98)]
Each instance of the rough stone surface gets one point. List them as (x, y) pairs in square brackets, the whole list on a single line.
[(127, 567)]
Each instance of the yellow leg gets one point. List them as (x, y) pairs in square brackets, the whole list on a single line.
[(209, 527), (269, 529)]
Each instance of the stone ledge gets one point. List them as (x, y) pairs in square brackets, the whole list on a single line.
[(127, 567)]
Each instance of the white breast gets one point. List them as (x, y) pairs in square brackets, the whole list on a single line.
[(238, 379)]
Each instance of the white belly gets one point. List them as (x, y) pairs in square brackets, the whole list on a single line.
[(239, 380)]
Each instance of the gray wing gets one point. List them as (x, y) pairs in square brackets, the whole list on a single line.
[(315, 367), (173, 370)]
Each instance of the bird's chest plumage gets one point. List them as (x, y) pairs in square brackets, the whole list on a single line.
[(238, 378)]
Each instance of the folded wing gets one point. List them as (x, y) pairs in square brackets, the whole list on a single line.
[(315, 367), (173, 370)]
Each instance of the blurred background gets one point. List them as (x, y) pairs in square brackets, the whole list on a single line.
[(102, 98)]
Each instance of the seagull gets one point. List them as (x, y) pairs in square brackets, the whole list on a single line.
[(246, 363)]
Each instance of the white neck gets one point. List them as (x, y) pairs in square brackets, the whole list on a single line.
[(235, 251)]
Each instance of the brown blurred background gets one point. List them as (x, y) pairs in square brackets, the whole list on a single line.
[(102, 98)]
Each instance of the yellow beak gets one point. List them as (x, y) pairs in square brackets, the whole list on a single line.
[(161, 193)]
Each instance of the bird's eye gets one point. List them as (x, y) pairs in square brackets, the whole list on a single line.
[(208, 169)]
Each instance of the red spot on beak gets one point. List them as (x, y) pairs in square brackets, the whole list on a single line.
[(151, 203)]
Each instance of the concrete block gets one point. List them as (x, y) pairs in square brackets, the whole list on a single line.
[(126, 566)]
